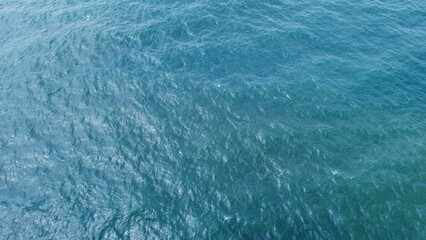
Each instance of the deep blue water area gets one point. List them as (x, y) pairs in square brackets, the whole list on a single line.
[(249, 119)]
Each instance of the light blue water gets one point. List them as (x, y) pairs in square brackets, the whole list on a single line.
[(267, 119)]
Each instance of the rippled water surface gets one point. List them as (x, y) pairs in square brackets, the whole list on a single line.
[(250, 119)]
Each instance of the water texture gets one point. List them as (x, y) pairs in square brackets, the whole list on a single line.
[(226, 119)]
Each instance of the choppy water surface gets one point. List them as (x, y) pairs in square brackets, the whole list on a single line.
[(266, 119)]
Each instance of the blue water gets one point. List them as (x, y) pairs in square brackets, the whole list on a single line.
[(266, 119)]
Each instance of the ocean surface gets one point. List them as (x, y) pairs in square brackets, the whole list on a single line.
[(226, 119)]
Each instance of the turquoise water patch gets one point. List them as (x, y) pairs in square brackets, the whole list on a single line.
[(212, 119)]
